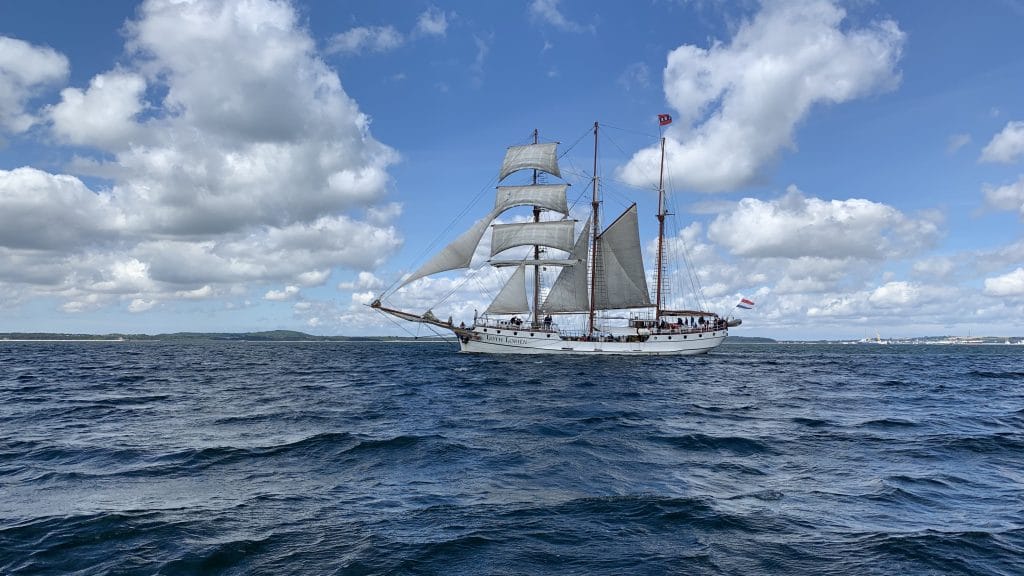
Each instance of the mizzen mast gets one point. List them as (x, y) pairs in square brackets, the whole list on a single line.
[(595, 229), (661, 235)]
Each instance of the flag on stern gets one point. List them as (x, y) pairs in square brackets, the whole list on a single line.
[(745, 304)]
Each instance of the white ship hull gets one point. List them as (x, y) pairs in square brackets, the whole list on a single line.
[(526, 342)]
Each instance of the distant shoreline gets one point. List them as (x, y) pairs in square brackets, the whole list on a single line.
[(299, 337), (270, 336)]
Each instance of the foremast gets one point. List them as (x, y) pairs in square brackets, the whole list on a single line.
[(536, 248)]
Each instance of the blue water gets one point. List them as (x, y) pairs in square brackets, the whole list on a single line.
[(376, 458)]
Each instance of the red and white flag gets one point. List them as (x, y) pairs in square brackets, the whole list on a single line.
[(664, 119)]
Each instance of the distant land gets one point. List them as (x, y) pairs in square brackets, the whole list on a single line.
[(294, 336), (268, 336)]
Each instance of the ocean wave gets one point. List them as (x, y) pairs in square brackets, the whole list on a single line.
[(890, 494), (1015, 375), (888, 423), (949, 552), (739, 445), (279, 416), (998, 442), (812, 422)]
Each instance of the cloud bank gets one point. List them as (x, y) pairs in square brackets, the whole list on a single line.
[(223, 153)]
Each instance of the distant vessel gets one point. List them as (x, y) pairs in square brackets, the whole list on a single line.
[(876, 340), (602, 271)]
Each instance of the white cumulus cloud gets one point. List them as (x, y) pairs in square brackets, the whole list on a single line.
[(895, 295), (1007, 146), (104, 114), (288, 293), (1009, 284), (795, 226), (738, 103), (44, 211), (1009, 197), (364, 281), (24, 70)]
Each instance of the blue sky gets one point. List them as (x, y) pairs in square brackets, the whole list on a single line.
[(853, 167)]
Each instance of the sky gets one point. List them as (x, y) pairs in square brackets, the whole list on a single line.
[(855, 168)]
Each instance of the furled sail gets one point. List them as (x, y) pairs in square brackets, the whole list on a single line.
[(456, 255), (622, 283), (512, 298), (555, 234), (547, 196), (569, 292), (535, 156)]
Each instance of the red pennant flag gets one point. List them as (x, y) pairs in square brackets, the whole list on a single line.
[(664, 119)]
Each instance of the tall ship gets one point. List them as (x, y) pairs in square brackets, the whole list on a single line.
[(599, 301)]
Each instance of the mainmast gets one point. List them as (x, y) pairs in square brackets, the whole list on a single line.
[(536, 253), (661, 233), (596, 230)]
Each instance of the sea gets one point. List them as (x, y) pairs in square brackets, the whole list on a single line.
[(410, 458)]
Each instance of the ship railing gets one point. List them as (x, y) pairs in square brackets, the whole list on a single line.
[(669, 328), (583, 336), (507, 324)]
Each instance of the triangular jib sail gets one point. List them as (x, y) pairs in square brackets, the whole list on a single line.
[(458, 254), (512, 298)]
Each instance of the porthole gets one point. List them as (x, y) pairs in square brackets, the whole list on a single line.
[(515, 333)]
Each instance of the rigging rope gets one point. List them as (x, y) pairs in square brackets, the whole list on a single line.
[(694, 278)]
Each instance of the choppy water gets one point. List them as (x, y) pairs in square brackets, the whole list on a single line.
[(371, 458)]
